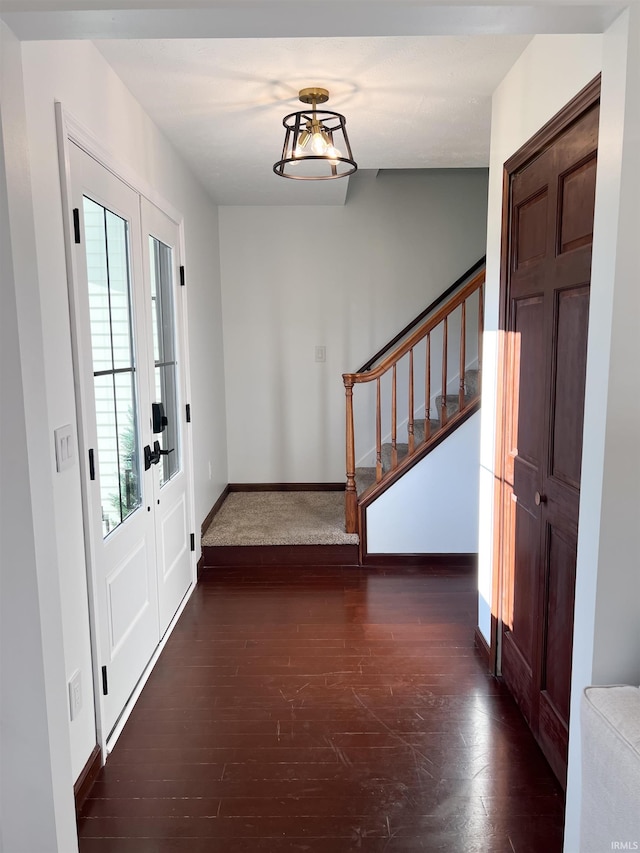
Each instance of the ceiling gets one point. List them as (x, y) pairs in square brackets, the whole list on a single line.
[(410, 103), (413, 77)]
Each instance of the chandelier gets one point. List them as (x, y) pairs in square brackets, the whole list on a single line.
[(316, 146)]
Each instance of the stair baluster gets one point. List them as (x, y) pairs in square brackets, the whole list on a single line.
[(443, 399), (378, 434), (463, 346), (480, 331), (394, 419), (410, 422), (427, 390)]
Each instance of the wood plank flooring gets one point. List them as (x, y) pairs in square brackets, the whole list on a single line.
[(325, 710)]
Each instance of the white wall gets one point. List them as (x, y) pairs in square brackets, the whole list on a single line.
[(347, 278), (615, 272), (78, 76), (552, 69), (36, 782), (433, 509), (606, 645)]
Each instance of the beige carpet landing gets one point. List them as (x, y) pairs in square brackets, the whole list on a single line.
[(280, 518)]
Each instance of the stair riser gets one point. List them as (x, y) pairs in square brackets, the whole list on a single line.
[(471, 391), (471, 383), (453, 404), (418, 429), (402, 449)]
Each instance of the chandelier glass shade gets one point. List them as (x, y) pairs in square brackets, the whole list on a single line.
[(316, 145)]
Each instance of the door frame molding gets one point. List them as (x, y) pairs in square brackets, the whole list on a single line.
[(69, 130), (548, 133)]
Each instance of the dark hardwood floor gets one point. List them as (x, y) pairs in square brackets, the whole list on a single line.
[(325, 709)]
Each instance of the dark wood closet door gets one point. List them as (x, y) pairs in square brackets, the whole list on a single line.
[(551, 203)]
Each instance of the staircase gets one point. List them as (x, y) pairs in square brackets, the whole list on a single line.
[(366, 476), (411, 416)]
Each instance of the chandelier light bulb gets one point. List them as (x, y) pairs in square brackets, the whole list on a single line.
[(318, 145), (333, 154)]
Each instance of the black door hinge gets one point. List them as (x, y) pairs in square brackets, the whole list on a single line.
[(193, 541), (92, 465), (188, 408), (181, 276), (76, 224), (105, 686)]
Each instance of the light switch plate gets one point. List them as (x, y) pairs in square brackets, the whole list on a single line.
[(65, 450), (321, 353)]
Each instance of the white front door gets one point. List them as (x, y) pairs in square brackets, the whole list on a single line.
[(171, 492), (131, 377)]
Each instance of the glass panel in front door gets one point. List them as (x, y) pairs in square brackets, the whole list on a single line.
[(110, 313), (164, 354)]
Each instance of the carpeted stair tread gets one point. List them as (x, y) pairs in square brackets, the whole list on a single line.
[(453, 400), (402, 449), (453, 403), (471, 382), (365, 477), (418, 428)]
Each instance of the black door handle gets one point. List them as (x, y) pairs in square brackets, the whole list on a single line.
[(151, 457), (157, 451), (148, 457)]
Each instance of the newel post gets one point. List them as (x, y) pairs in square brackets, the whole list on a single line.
[(350, 495)]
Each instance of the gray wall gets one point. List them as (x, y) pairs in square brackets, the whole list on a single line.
[(347, 278)]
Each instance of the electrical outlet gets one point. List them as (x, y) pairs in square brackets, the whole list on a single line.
[(75, 694), (321, 353)]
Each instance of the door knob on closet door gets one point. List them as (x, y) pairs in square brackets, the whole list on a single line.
[(540, 499)]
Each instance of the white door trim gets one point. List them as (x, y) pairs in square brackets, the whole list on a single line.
[(75, 131)]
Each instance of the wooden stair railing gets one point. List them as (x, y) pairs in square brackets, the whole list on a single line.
[(415, 449)]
